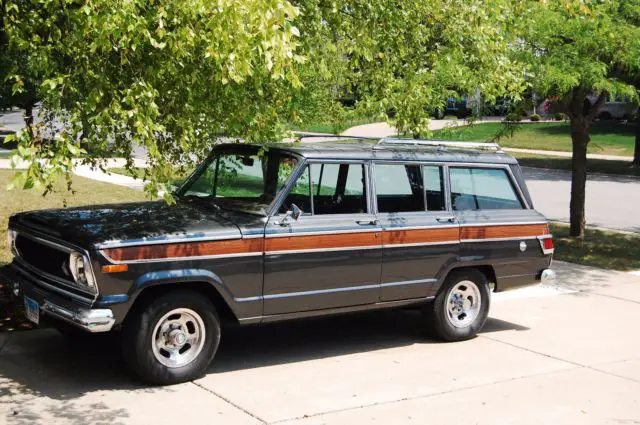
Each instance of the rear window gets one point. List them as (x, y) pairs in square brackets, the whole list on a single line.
[(482, 189)]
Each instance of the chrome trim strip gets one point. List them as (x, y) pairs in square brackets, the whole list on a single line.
[(522, 223), (334, 290), (195, 257), (320, 232), (310, 250), (523, 238), (143, 241), (53, 288), (404, 245), (328, 311), (253, 236), (434, 227)]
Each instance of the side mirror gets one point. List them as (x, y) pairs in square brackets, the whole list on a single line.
[(292, 215), (296, 212)]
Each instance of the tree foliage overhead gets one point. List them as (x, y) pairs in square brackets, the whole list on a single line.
[(173, 75), (577, 49)]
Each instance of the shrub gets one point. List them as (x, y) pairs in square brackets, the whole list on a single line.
[(513, 117), (559, 116), (534, 117)]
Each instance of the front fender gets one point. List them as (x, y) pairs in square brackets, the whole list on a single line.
[(163, 277)]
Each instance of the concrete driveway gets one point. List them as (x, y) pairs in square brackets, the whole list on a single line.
[(612, 201), (552, 355)]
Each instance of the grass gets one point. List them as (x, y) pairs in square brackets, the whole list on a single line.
[(87, 192), (600, 248), (601, 166), (606, 137)]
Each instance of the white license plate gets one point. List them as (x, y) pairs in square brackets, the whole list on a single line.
[(32, 310)]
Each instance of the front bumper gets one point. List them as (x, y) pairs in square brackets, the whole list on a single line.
[(56, 306)]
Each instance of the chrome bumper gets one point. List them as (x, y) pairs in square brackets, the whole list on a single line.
[(52, 305), (547, 276), (92, 320)]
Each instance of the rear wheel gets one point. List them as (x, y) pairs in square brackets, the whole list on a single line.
[(172, 338), (461, 307)]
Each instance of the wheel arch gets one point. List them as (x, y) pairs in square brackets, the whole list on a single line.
[(204, 282), (486, 269)]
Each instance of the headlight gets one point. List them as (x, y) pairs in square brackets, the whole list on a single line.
[(11, 240), (80, 268)]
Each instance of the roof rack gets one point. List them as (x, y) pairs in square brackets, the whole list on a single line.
[(441, 144)]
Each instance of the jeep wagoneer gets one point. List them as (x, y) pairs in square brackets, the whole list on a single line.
[(267, 233)]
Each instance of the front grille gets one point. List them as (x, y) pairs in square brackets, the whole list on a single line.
[(43, 257)]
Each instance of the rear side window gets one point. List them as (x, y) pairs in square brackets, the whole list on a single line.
[(399, 188), (482, 189)]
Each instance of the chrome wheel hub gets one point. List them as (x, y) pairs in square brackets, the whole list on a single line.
[(178, 337), (463, 304)]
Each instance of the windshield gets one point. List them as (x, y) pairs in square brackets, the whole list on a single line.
[(243, 178)]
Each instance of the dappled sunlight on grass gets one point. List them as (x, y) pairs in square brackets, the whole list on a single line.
[(605, 249)]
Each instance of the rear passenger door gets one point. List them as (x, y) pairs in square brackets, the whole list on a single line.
[(420, 235), (497, 226)]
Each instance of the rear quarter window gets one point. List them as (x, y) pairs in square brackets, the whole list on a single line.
[(482, 189)]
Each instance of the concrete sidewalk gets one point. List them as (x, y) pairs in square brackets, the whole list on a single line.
[(548, 355)]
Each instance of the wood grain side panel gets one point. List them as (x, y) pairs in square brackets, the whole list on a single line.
[(508, 231), (189, 249), (392, 237), (293, 243)]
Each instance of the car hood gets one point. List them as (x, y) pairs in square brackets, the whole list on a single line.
[(106, 225)]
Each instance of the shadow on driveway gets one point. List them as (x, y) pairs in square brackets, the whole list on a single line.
[(42, 363)]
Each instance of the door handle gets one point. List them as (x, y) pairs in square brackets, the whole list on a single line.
[(448, 219), (369, 222)]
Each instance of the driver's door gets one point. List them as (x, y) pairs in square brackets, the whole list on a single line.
[(330, 256)]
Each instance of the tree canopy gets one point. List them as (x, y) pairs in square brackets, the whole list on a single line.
[(575, 49), (172, 76)]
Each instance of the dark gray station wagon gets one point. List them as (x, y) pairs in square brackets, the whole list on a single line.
[(293, 230)]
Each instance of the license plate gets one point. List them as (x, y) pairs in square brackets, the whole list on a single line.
[(32, 310)]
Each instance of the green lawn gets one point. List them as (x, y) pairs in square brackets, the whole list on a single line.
[(606, 137), (608, 250), (86, 192), (601, 166)]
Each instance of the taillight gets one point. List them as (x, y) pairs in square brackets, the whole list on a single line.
[(546, 243)]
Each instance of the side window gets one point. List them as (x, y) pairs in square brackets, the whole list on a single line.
[(434, 183), (331, 188), (338, 189), (399, 188), (482, 189)]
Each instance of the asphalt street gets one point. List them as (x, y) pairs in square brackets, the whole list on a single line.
[(612, 201)]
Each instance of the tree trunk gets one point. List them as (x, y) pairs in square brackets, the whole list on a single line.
[(580, 140), (28, 118), (636, 152)]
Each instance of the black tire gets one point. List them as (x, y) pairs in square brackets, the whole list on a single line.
[(137, 338), (436, 313)]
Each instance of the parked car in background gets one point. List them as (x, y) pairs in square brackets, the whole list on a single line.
[(615, 108), (268, 233)]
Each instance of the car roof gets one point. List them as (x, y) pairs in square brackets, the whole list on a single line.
[(364, 149)]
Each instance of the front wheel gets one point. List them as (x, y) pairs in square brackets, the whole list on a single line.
[(461, 307), (172, 338)]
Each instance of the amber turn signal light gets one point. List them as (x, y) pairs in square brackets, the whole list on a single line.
[(115, 268)]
